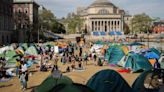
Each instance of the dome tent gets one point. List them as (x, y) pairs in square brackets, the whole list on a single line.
[(137, 62), (108, 81), (147, 83)]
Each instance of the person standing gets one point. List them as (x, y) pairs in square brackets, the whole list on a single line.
[(23, 75)]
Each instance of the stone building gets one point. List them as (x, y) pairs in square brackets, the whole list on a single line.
[(104, 16), (6, 22)]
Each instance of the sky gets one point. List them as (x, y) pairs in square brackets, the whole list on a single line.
[(60, 8)]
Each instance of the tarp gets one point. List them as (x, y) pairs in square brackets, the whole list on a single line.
[(50, 82), (151, 55), (114, 54), (31, 51), (108, 81), (143, 83), (137, 62)]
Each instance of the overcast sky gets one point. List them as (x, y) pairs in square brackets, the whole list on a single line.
[(60, 8)]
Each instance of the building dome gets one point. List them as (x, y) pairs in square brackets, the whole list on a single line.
[(100, 3)]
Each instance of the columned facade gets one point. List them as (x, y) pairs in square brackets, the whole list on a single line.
[(102, 16), (106, 25)]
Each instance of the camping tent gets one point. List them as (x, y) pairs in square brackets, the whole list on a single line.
[(50, 82), (137, 62), (108, 81), (114, 54), (155, 51), (146, 83), (31, 51)]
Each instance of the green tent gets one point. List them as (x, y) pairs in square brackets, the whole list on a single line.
[(137, 62), (10, 54), (108, 81), (71, 88), (147, 83), (2, 55), (114, 54), (11, 63), (31, 51), (100, 42), (49, 83)]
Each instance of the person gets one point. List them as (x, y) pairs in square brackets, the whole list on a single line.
[(17, 66), (99, 62), (77, 58), (43, 67), (85, 57), (157, 70), (23, 75), (73, 65), (68, 69)]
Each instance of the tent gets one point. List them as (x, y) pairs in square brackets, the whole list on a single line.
[(136, 44), (114, 54), (71, 88), (31, 51), (96, 47), (108, 81), (147, 83), (50, 82), (151, 55), (10, 54), (137, 62), (100, 43), (161, 60), (155, 51)]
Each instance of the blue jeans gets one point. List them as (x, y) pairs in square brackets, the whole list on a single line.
[(23, 81)]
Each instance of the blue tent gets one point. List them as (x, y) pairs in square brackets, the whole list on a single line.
[(137, 62), (108, 81), (151, 55), (114, 54), (155, 51)]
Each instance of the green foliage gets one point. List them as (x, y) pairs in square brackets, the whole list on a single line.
[(141, 23), (49, 22), (73, 23)]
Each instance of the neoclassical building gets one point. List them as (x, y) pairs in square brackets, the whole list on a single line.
[(102, 15)]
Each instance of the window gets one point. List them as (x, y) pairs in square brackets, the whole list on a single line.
[(103, 12), (26, 10), (19, 10)]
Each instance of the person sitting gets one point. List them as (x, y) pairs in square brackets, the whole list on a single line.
[(99, 63), (73, 65), (68, 69), (43, 67)]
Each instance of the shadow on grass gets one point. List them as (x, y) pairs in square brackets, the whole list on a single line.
[(6, 85)]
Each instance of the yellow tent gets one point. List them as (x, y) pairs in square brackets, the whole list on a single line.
[(125, 49)]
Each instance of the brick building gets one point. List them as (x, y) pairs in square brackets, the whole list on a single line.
[(158, 27), (28, 25), (6, 24)]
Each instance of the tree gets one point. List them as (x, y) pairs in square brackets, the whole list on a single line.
[(141, 23), (74, 23), (49, 22)]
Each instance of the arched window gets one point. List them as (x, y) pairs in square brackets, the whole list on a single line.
[(26, 10), (103, 12)]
